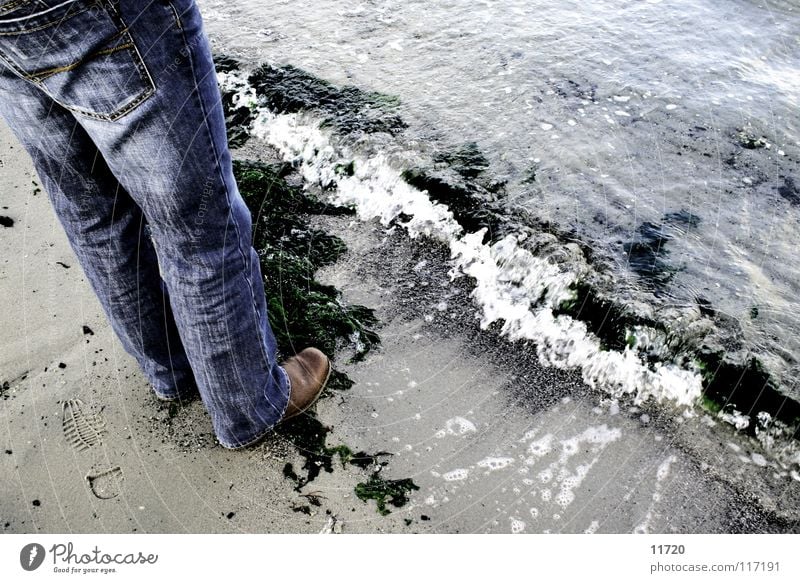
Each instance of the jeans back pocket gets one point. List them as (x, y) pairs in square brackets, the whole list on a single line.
[(79, 52)]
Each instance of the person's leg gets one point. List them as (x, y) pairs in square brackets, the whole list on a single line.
[(138, 75), (105, 229)]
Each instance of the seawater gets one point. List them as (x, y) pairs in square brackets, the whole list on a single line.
[(663, 135)]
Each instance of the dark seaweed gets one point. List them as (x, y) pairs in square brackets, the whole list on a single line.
[(366, 460), (308, 435), (303, 312), (746, 387), (749, 141), (608, 320), (225, 63), (470, 207), (349, 110)]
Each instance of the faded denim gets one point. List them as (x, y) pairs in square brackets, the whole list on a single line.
[(118, 105)]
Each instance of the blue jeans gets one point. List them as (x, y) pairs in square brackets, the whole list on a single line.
[(118, 105)]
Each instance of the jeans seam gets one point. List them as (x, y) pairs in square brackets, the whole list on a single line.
[(177, 17), (246, 258)]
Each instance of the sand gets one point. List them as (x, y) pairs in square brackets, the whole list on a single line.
[(494, 441)]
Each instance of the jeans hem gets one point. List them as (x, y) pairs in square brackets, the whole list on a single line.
[(183, 394), (265, 432)]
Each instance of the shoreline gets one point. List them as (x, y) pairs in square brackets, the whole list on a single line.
[(475, 410)]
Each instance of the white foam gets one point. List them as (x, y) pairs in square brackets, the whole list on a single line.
[(565, 497), (777, 438), (495, 463), (508, 278), (459, 426), (663, 469), (244, 95), (540, 448), (517, 526), (735, 418), (456, 475)]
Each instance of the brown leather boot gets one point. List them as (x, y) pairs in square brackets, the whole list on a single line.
[(308, 372)]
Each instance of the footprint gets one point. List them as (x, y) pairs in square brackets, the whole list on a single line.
[(84, 431), (81, 430), (107, 484)]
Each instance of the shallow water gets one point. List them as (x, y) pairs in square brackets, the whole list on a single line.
[(664, 135)]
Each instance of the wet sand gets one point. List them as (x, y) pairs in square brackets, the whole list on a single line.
[(493, 441)]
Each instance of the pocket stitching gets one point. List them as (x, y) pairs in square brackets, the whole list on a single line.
[(114, 115), (44, 74)]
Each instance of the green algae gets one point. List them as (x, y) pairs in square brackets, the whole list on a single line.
[(302, 311), (746, 387), (710, 405), (393, 492), (309, 436), (349, 110)]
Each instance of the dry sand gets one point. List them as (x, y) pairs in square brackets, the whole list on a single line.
[(495, 442)]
